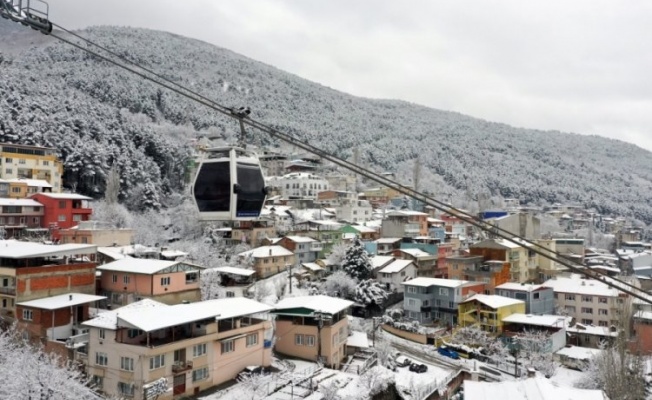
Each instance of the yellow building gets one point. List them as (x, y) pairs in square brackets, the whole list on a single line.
[(268, 260), (31, 162), (488, 311)]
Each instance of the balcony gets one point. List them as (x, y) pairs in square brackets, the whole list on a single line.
[(10, 290), (180, 366), (77, 341), (316, 247), (426, 308)]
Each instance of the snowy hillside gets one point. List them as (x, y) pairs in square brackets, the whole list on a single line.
[(54, 95)]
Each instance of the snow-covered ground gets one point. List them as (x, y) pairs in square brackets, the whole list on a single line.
[(566, 377)]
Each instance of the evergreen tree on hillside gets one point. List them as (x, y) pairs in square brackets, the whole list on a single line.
[(356, 262)]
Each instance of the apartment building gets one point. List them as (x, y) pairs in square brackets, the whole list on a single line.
[(395, 273), (268, 260), (305, 249), (151, 350), (19, 216), (30, 271), (365, 233), (131, 279), (539, 299), (97, 233), (22, 188), (404, 223), (313, 328), (31, 162), (426, 263), (589, 301), (299, 185), (522, 260), (488, 311), (429, 300), (63, 210), (357, 212)]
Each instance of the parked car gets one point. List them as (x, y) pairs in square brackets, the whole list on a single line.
[(445, 351), (402, 361), (418, 368)]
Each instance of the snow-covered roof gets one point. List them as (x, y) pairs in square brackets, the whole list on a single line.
[(16, 249), (65, 196), (579, 353), (301, 239), (405, 213), (312, 266), (591, 330), (427, 282), (537, 388), (109, 319), (173, 253), (538, 320), (267, 251), (61, 301), (493, 300), (379, 261), (396, 266), (363, 229), (20, 202), (112, 252), (234, 270), (646, 315), (137, 265), (575, 284), (357, 339), (416, 252), (153, 319), (524, 287), (320, 303), (387, 240), (32, 182)]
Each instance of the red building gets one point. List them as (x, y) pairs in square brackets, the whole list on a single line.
[(63, 210)]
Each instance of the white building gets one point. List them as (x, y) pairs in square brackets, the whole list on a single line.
[(397, 272), (355, 211), (299, 185)]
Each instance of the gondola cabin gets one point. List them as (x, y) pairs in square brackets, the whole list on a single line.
[(229, 185)]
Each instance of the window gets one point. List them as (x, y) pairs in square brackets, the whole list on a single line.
[(298, 340), (570, 309), (587, 299), (602, 300), (132, 333), (587, 321), (126, 364), (28, 315), (437, 302), (97, 382), (126, 279), (443, 291), (425, 303), (9, 160), (536, 296), (102, 334), (45, 162), (157, 361), (191, 277), (62, 204), (603, 323), (126, 389), (114, 278), (228, 346), (62, 218), (569, 296), (603, 311), (77, 217), (200, 374), (9, 171), (310, 340), (335, 339), (199, 350), (101, 359), (451, 305), (587, 310), (230, 294), (252, 339), (411, 303), (165, 281), (15, 189)]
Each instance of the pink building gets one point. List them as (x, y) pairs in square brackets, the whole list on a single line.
[(131, 279)]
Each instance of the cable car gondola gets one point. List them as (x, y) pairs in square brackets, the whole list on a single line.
[(229, 185), (23, 11)]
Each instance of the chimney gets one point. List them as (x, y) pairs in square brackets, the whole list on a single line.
[(270, 251), (70, 297)]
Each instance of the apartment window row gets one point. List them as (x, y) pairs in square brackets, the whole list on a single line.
[(199, 350), (587, 310), (305, 340), (587, 299)]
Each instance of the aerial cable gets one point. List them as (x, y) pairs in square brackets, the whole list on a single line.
[(465, 217)]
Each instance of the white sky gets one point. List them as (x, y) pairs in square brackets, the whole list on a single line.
[(580, 66)]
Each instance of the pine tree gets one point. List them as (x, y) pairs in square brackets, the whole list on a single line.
[(356, 262)]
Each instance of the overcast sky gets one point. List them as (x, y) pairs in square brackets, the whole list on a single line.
[(574, 66)]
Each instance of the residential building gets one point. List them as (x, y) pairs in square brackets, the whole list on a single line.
[(63, 210), (426, 262), (458, 265), (522, 263), (333, 198), (299, 185), (584, 335), (365, 233), (21, 188), (305, 248), (434, 300), (132, 279), (30, 271), (576, 357), (538, 388), (356, 212), (378, 263), (492, 272), (395, 273), (523, 225), (313, 328), (97, 233), (151, 350), (19, 216), (268, 260), (324, 231), (404, 223), (251, 232), (539, 299), (589, 301), (552, 327), (547, 268), (31, 162), (387, 245), (488, 311), (571, 249), (55, 322), (641, 342), (380, 196)]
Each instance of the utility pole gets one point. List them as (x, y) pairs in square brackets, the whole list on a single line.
[(289, 268), (373, 332), (320, 325)]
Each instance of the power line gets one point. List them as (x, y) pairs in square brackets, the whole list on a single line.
[(428, 200)]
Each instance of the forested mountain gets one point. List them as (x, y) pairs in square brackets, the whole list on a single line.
[(98, 116)]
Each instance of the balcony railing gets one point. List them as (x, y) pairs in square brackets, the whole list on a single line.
[(180, 366), (316, 247), (77, 341), (8, 290)]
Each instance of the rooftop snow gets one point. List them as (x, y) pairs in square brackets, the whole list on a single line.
[(380, 261), (109, 319), (538, 320), (267, 251), (427, 282), (416, 252), (15, 249), (363, 229), (519, 286), (591, 330), (493, 300), (579, 353), (580, 286), (396, 266), (312, 266), (388, 240), (153, 319), (31, 182), (234, 271), (20, 202), (137, 265), (65, 196), (301, 239), (61, 301), (325, 304), (536, 388), (358, 339)]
